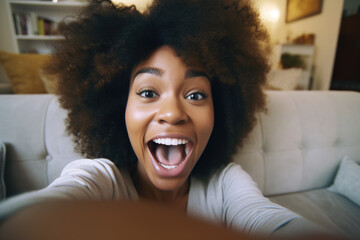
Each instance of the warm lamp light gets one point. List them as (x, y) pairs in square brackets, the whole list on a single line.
[(269, 13), (123, 1), (140, 4)]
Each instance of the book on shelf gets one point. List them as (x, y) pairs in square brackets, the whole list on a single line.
[(31, 24)]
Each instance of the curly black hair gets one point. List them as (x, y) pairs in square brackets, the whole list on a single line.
[(95, 61)]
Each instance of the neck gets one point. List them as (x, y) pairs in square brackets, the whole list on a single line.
[(148, 191)]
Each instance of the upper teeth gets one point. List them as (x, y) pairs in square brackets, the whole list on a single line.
[(170, 141)]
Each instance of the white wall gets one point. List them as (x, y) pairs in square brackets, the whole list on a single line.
[(7, 42), (326, 28), (140, 4), (270, 12)]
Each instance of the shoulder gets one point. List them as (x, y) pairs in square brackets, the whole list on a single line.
[(225, 187), (233, 174), (100, 164), (98, 176), (228, 175), (225, 181), (89, 170), (93, 168)]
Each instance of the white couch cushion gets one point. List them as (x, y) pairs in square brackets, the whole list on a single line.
[(60, 148), (22, 130), (347, 180), (299, 142), (327, 208), (32, 127)]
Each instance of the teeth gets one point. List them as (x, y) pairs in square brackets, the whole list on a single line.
[(168, 166), (171, 141), (187, 150)]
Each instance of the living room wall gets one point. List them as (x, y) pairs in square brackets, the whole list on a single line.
[(325, 26), (6, 38), (140, 4)]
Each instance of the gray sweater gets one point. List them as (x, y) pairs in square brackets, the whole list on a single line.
[(229, 198)]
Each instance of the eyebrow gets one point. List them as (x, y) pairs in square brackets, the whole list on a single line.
[(150, 70), (193, 73), (158, 72)]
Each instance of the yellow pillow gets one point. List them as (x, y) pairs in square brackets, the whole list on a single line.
[(49, 81), (23, 71)]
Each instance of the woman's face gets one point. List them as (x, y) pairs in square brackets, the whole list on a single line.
[(169, 118)]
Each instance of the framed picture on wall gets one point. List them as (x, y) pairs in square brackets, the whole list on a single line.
[(299, 9)]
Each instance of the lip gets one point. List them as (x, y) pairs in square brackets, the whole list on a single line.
[(180, 169)]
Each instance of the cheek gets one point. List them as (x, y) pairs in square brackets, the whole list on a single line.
[(205, 124), (133, 118), (137, 119), (135, 125)]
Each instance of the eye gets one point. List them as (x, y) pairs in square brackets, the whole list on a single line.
[(147, 94), (196, 96)]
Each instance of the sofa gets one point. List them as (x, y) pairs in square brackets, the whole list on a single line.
[(5, 85), (294, 153)]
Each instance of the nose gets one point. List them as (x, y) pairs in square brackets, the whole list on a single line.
[(172, 112)]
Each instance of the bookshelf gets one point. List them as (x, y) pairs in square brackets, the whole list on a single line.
[(33, 23), (293, 77)]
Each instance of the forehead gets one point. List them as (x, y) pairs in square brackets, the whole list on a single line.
[(166, 58), (163, 58)]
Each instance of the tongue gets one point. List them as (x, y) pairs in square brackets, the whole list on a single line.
[(169, 155)]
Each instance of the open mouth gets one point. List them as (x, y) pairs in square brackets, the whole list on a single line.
[(170, 153)]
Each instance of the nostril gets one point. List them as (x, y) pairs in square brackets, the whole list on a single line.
[(173, 122), (162, 121), (172, 117)]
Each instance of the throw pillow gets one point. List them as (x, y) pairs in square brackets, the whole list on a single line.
[(2, 171), (347, 180), (23, 71), (49, 81)]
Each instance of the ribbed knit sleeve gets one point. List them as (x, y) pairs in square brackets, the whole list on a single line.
[(95, 179), (233, 199)]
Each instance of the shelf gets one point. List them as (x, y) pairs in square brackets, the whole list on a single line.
[(49, 3), (32, 17), (39, 38)]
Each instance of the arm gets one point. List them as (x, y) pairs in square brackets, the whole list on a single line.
[(246, 208), (81, 179), (108, 220)]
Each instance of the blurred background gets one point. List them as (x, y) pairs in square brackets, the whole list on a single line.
[(316, 42)]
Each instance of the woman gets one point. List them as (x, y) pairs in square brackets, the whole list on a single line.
[(166, 96)]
